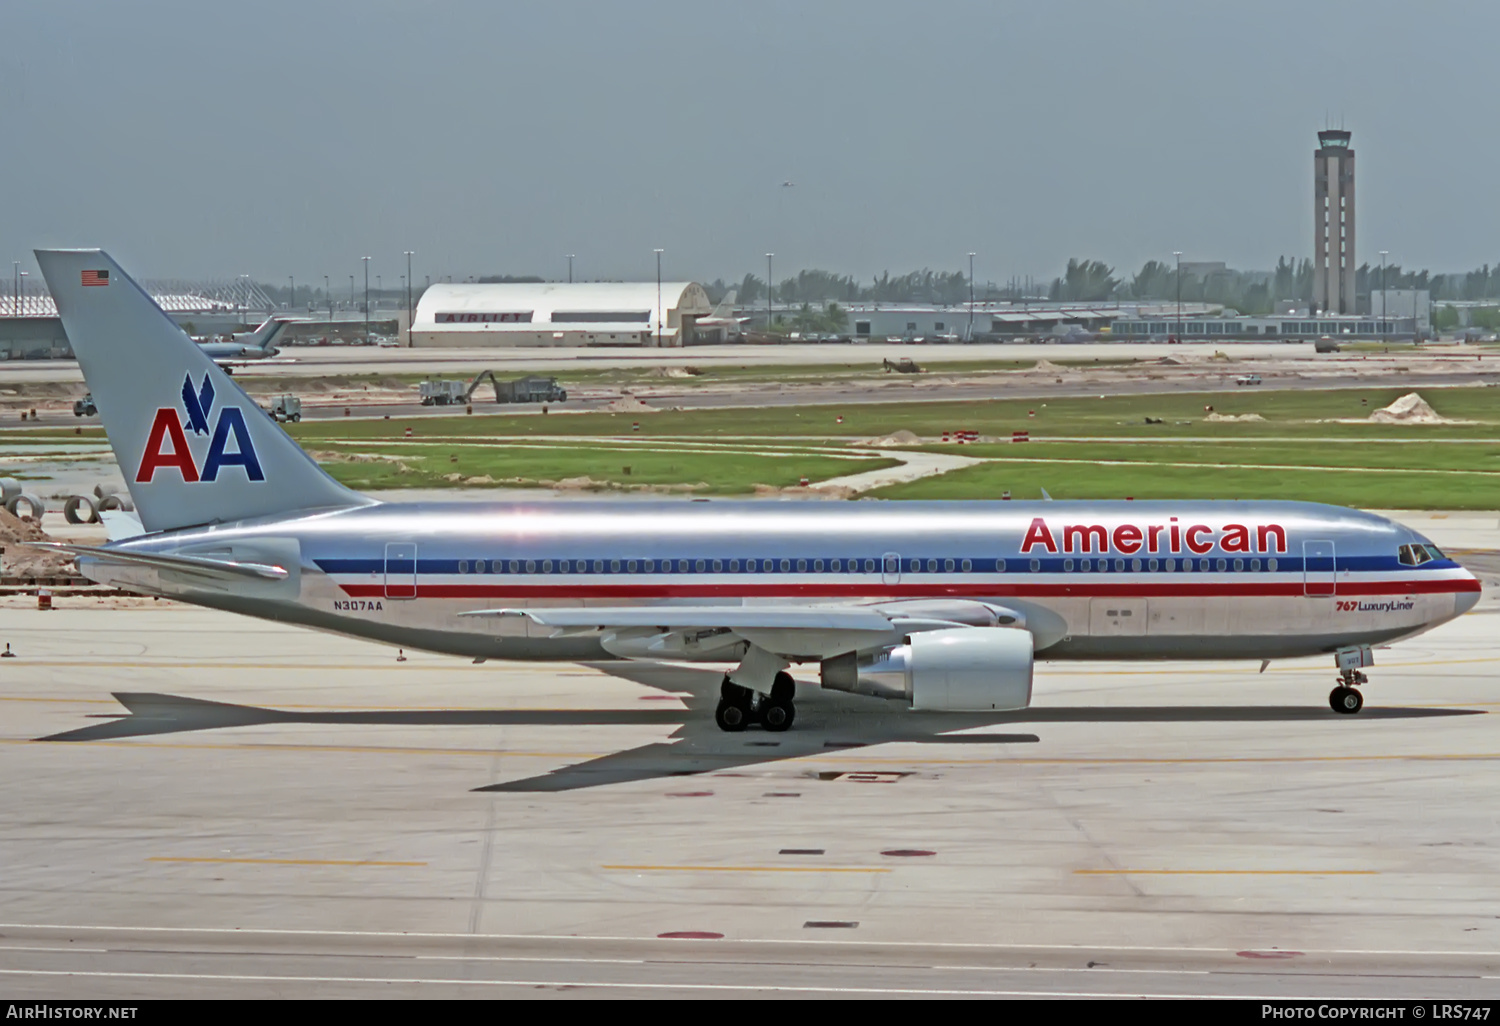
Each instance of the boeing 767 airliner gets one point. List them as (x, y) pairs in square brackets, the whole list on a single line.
[(941, 605)]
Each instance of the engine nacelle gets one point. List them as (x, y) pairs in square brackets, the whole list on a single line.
[(965, 669)]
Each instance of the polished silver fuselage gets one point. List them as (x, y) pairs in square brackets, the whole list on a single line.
[(1096, 580)]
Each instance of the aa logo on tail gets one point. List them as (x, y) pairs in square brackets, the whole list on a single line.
[(167, 445)]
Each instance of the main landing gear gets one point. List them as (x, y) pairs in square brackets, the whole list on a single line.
[(1346, 697), (740, 706)]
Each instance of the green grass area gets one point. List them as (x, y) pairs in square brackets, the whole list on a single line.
[(710, 473), (1459, 456), (1150, 481), (1286, 413)]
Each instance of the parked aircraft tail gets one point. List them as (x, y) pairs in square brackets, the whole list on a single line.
[(270, 331), (725, 309), (193, 447)]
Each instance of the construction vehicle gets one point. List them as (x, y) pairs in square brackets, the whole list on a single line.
[(531, 389), (905, 365), (85, 407), (285, 408), (444, 393)]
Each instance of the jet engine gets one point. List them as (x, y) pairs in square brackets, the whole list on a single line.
[(963, 669)]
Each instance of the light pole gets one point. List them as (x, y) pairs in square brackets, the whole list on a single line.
[(768, 291), (971, 299), (1178, 255), (291, 300), (409, 283), (658, 297), (23, 292), (367, 299), (244, 298), (328, 295), (16, 287), (351, 292), (1383, 254), (570, 268)]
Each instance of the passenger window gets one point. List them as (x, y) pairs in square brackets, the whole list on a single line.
[(562, 566), (1087, 566), (1036, 564), (999, 566), (1171, 566), (786, 566), (515, 567), (916, 566), (1135, 565), (546, 566), (531, 566), (1255, 564), (598, 566), (734, 566), (650, 566), (1239, 564), (948, 565), (836, 565), (968, 565), (750, 565), (1271, 564), (932, 566), (718, 566), (817, 566), (463, 566), (630, 566), (802, 566), (614, 566), (1119, 565), (1153, 565), (1067, 564), (699, 566), (1223, 564)]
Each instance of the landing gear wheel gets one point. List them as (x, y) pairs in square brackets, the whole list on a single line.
[(1346, 700), (777, 715), (783, 688), (731, 716)]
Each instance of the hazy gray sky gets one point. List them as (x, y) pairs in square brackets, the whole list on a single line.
[(275, 138)]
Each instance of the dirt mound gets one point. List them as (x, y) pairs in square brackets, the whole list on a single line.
[(1411, 408), (627, 403), (1232, 418), (765, 491), (902, 437), (673, 372), (23, 562)]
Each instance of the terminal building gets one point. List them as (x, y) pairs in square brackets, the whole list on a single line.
[(461, 315)]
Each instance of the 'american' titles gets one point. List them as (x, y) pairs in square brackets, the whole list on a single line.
[(1171, 538)]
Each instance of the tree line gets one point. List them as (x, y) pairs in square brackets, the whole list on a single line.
[(1094, 281)]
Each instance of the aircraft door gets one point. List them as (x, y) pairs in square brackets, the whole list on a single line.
[(400, 570), (890, 568), (1318, 568)]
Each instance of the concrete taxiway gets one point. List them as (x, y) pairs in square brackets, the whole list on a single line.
[(202, 805)]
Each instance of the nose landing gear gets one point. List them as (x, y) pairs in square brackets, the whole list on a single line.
[(740, 706), (1346, 698)]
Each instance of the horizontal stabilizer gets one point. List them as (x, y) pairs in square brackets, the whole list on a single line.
[(762, 617), (202, 566)]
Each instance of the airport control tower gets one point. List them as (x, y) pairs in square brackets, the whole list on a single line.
[(1333, 223)]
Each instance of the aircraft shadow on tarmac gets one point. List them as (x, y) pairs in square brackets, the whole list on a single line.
[(825, 722)]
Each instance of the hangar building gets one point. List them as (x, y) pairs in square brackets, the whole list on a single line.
[(559, 314)]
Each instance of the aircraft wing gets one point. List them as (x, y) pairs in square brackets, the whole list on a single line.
[(845, 618), (202, 566)]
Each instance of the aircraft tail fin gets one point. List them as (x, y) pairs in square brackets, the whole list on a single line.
[(270, 331), (726, 305), (193, 447)]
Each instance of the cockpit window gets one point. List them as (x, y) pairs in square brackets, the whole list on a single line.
[(1416, 555)]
